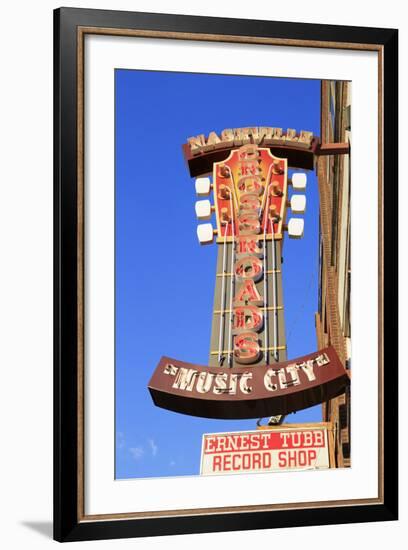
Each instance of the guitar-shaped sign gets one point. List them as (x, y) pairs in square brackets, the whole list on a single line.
[(250, 190), (248, 374)]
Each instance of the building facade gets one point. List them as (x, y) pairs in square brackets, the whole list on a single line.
[(333, 316)]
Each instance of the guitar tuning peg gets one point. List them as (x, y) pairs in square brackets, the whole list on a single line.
[(205, 233), (225, 216), (295, 228), (299, 182), (203, 186), (298, 204), (203, 210), (276, 167), (276, 191)]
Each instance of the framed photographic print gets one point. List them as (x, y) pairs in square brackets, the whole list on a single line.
[(225, 274)]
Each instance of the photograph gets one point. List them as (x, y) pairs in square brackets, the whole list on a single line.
[(223, 248), (201, 220), (232, 274)]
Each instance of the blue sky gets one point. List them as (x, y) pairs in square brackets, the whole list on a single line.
[(158, 258)]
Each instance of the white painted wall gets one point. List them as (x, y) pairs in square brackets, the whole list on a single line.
[(26, 271)]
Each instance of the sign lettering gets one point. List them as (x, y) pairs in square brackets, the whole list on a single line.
[(245, 391), (263, 136)]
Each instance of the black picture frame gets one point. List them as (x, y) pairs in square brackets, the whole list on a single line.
[(68, 525)]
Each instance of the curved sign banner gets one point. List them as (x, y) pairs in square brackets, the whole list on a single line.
[(201, 152), (248, 392)]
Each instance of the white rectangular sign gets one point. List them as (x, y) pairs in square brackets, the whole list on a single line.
[(266, 450)]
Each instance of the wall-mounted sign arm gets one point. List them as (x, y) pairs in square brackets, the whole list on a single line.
[(332, 149)]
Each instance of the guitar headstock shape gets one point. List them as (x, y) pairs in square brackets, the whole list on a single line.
[(250, 194)]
